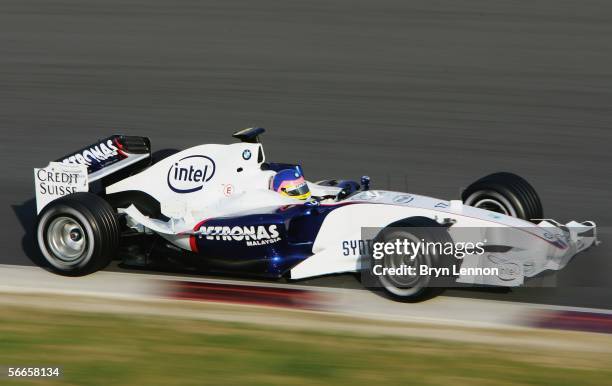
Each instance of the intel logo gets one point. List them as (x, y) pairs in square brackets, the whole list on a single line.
[(189, 174)]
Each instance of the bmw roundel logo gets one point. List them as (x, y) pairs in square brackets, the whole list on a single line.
[(246, 154)]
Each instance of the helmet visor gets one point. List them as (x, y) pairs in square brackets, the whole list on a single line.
[(298, 190)]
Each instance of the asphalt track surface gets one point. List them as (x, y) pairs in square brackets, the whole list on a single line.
[(423, 96)]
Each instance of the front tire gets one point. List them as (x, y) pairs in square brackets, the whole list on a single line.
[(78, 234), (504, 193), (413, 288)]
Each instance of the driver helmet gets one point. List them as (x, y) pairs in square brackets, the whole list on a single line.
[(290, 182)]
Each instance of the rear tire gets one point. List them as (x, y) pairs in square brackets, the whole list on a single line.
[(78, 234), (504, 193)]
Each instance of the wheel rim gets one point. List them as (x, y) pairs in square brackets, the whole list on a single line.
[(491, 205), (491, 201), (404, 285), (67, 239)]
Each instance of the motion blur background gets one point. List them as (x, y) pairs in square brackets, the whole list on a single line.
[(424, 96)]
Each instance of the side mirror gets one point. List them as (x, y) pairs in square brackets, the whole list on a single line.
[(365, 183)]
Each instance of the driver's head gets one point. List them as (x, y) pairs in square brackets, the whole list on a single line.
[(290, 182)]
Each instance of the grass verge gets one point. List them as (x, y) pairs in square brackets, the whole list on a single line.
[(113, 349)]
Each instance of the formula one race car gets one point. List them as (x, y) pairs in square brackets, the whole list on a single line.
[(223, 208)]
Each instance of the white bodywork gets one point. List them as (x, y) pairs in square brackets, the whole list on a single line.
[(534, 252), (211, 181)]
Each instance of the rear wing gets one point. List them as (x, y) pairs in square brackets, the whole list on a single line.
[(110, 155), (75, 171)]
